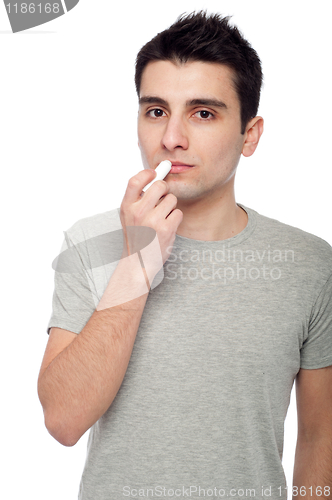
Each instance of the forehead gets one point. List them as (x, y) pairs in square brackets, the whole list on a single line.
[(195, 79)]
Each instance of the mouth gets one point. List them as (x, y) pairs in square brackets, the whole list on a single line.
[(178, 167)]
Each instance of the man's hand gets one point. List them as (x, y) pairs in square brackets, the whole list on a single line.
[(155, 208)]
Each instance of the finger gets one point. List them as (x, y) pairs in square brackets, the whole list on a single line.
[(160, 199), (154, 193), (137, 183), (166, 205), (175, 217)]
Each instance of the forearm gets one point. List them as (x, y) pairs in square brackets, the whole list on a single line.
[(312, 479), (80, 384)]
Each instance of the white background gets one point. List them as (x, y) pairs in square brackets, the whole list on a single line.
[(69, 146)]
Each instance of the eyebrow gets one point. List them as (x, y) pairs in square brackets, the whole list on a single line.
[(193, 102)]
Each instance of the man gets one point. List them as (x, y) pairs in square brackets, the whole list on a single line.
[(186, 384)]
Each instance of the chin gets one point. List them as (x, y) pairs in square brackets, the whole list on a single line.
[(185, 193)]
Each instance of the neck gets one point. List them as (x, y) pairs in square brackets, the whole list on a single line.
[(211, 219)]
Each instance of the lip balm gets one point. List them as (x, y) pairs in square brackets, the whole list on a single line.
[(162, 170)]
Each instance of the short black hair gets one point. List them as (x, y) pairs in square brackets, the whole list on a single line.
[(208, 38)]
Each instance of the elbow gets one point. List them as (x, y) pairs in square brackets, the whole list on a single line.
[(62, 432), (65, 439), (59, 424), (64, 425)]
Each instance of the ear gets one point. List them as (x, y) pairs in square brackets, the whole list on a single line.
[(252, 134)]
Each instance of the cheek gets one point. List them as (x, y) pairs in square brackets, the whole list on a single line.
[(227, 145), (219, 149), (146, 138), (142, 142), (146, 146), (223, 155), (141, 132)]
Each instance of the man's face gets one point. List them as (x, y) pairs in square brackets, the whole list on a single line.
[(190, 114)]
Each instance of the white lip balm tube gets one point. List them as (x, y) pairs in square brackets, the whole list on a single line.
[(162, 170)]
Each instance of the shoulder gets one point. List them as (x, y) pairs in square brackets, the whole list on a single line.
[(311, 253), (284, 234)]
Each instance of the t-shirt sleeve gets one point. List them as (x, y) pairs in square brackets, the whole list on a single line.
[(73, 300), (316, 351)]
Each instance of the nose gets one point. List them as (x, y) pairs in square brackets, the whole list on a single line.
[(175, 135)]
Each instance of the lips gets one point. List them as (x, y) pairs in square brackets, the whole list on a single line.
[(178, 167)]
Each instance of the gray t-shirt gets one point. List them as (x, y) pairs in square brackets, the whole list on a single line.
[(200, 412)]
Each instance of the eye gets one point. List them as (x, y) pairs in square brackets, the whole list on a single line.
[(156, 113), (204, 114)]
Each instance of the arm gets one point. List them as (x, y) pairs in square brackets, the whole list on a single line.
[(79, 383), (81, 374), (313, 457)]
